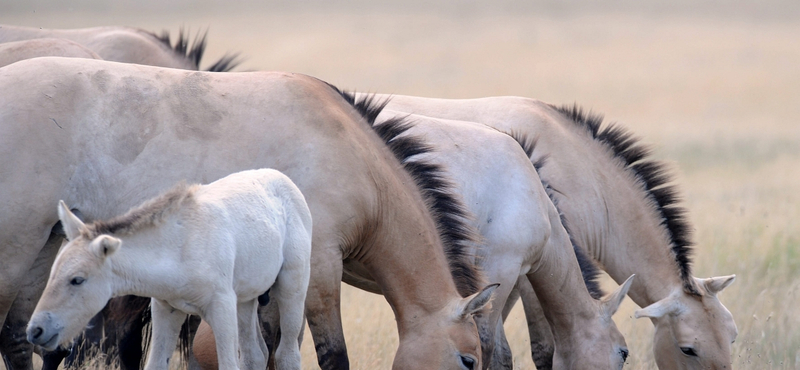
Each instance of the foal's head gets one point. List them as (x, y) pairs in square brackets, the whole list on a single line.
[(447, 340), (78, 287)]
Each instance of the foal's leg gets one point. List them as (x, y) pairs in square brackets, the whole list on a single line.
[(250, 340), (290, 293), (221, 317), (500, 268), (167, 323)]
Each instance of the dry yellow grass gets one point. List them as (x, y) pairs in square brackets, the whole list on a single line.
[(717, 91)]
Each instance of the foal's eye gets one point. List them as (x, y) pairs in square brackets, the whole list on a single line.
[(77, 281), (689, 351)]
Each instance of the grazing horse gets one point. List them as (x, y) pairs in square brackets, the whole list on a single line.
[(11, 52), (104, 136), (208, 250), (623, 209), (522, 236), (128, 45)]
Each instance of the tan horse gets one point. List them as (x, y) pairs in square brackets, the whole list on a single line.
[(128, 45), (104, 136), (623, 211), (11, 52), (522, 236), (118, 44)]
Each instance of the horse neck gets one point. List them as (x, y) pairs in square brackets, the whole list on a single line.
[(559, 285), (406, 257), (610, 214)]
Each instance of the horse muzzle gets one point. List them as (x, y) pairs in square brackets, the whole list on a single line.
[(43, 332)]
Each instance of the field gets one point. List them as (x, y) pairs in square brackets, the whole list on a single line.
[(715, 90)]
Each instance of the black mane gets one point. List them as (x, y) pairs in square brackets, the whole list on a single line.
[(447, 210), (194, 53), (589, 269), (654, 177)]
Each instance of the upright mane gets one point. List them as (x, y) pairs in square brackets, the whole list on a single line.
[(589, 269), (146, 214), (654, 178), (194, 53), (447, 210)]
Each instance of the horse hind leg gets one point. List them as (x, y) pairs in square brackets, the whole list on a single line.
[(289, 292), (252, 349)]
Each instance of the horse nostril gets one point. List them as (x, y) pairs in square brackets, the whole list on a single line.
[(38, 332)]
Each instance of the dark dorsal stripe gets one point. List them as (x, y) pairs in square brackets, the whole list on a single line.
[(447, 210), (589, 269), (655, 179), (194, 53)]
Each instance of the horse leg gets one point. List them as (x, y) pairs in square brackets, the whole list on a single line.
[(270, 328), (323, 309), (542, 342), (167, 323), (221, 317), (17, 351), (250, 340), (290, 293), (503, 269)]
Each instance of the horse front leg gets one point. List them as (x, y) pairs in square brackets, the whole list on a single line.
[(167, 323), (542, 341), (323, 307), (221, 317), (17, 351)]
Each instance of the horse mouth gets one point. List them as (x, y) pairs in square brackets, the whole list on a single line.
[(51, 343)]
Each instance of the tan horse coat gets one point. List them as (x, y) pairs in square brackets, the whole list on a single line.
[(622, 212), (104, 136)]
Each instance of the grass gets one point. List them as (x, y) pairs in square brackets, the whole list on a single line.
[(715, 92)]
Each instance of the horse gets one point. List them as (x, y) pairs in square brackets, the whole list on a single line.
[(523, 236), (208, 250), (129, 45), (117, 134), (119, 44), (625, 211), (15, 51)]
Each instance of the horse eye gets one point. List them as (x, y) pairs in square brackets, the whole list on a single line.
[(624, 353), (467, 362), (689, 351), (77, 281)]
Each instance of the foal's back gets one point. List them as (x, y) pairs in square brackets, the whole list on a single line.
[(260, 219)]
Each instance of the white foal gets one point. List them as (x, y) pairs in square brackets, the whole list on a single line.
[(208, 250)]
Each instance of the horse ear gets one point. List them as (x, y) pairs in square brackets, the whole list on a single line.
[(105, 245), (716, 284), (658, 309), (71, 224), (475, 302), (610, 303)]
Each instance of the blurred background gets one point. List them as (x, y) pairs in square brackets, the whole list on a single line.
[(713, 85)]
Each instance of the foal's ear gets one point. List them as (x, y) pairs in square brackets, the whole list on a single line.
[(475, 302), (72, 224), (105, 245)]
